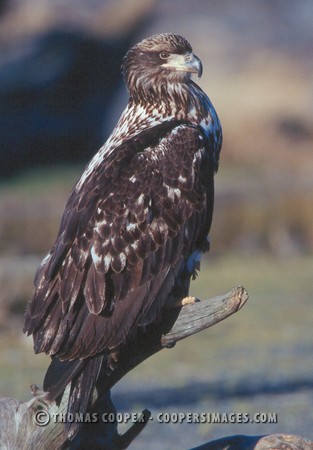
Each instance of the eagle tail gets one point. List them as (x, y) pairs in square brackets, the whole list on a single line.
[(58, 376), (82, 374)]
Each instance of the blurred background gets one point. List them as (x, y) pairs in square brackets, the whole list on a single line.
[(61, 93)]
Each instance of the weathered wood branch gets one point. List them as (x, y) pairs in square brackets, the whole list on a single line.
[(177, 324), (199, 316)]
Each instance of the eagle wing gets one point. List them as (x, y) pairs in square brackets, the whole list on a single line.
[(125, 238)]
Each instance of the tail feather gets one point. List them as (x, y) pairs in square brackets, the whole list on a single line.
[(59, 375), (82, 387), (82, 374)]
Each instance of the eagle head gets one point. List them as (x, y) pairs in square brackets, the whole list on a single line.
[(158, 63)]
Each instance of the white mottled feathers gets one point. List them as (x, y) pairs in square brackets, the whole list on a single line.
[(121, 236)]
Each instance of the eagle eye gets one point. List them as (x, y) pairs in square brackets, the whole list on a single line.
[(164, 55)]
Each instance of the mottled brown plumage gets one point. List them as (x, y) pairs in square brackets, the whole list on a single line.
[(134, 224)]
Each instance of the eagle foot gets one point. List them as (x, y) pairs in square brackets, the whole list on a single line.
[(186, 301)]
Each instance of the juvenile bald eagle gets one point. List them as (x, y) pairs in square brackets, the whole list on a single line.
[(135, 223)]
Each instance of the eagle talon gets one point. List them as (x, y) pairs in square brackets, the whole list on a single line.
[(190, 300)]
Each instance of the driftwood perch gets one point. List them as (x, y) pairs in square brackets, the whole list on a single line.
[(38, 424)]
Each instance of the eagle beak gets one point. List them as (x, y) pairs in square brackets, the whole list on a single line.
[(193, 64), (185, 63)]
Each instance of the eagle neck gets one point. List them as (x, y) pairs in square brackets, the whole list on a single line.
[(187, 102), (183, 101)]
